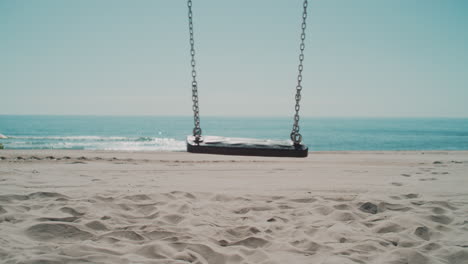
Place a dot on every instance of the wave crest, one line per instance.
(95, 143)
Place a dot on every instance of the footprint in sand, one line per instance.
(159, 234)
(411, 196)
(58, 219)
(13, 197)
(438, 210)
(179, 194)
(423, 232)
(173, 218)
(397, 184)
(250, 242)
(388, 227)
(426, 169)
(96, 225)
(57, 232)
(304, 200)
(42, 195)
(405, 175)
(308, 246)
(445, 204)
(406, 255)
(342, 216)
(369, 207)
(428, 179)
(242, 231)
(276, 219)
(137, 197)
(254, 208)
(209, 255)
(441, 219)
(342, 207)
(125, 234)
(393, 207)
(432, 246)
(69, 210)
(161, 253)
(323, 209)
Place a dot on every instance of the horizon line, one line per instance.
(234, 116)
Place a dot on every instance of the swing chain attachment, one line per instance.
(296, 137)
(197, 132)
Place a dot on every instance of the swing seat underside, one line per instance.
(246, 147)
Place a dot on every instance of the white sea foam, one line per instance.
(96, 143)
(73, 138)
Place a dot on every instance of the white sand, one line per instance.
(120, 207)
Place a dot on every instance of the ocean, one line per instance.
(158, 133)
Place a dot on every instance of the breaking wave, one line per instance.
(95, 143)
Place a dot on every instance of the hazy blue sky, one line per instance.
(363, 57)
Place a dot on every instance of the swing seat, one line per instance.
(246, 147)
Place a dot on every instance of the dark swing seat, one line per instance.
(246, 147)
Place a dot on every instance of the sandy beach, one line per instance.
(60, 206)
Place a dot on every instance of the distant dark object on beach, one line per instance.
(1, 146)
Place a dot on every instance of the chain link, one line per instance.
(296, 137)
(196, 115)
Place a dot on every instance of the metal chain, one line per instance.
(196, 115)
(296, 137)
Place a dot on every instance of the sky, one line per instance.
(363, 58)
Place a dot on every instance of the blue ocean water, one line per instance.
(150, 133)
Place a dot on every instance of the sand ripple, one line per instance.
(180, 227)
